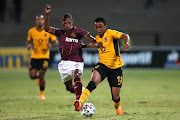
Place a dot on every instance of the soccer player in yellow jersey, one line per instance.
(109, 64)
(40, 52)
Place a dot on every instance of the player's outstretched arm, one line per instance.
(93, 41)
(47, 28)
(126, 41)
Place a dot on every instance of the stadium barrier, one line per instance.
(14, 58)
(138, 56)
(146, 57)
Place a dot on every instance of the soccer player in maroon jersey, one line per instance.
(71, 65)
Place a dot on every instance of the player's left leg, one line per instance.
(115, 82)
(42, 83)
(77, 83)
(116, 98)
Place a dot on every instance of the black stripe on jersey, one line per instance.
(116, 46)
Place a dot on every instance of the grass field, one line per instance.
(152, 94)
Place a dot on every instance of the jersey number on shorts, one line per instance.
(45, 64)
(119, 80)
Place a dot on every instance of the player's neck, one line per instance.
(40, 28)
(102, 34)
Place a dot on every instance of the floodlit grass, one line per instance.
(147, 94)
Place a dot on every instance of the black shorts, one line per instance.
(39, 64)
(114, 76)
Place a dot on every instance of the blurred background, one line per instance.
(153, 25)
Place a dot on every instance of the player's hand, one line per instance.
(99, 45)
(48, 9)
(29, 47)
(49, 45)
(126, 47)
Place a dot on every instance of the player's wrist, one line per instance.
(84, 46)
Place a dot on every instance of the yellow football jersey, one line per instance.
(109, 55)
(40, 40)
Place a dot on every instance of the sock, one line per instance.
(84, 95)
(91, 86)
(117, 103)
(77, 87)
(41, 92)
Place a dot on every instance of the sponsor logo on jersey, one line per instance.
(71, 40)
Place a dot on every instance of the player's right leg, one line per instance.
(77, 83)
(115, 97)
(95, 80)
(115, 79)
(33, 69)
(42, 84)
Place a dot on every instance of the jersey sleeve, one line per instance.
(29, 37)
(116, 34)
(83, 32)
(52, 37)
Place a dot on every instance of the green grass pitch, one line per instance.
(146, 94)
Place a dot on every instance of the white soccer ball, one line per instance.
(88, 109)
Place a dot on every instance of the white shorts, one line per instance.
(66, 69)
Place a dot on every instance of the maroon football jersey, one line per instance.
(69, 43)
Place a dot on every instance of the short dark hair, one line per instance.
(100, 19)
(66, 16)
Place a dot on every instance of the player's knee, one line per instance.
(33, 76)
(41, 76)
(76, 73)
(116, 98)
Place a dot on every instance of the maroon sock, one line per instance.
(77, 87)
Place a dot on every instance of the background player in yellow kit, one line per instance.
(40, 54)
(109, 64)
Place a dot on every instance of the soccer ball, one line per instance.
(88, 109)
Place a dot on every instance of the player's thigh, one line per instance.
(65, 71)
(77, 69)
(96, 77)
(115, 77)
(99, 73)
(34, 64)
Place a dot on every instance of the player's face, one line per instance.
(39, 21)
(100, 28)
(67, 24)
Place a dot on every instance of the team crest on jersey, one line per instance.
(73, 34)
(45, 34)
(105, 39)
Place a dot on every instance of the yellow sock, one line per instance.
(116, 105)
(41, 92)
(84, 95)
